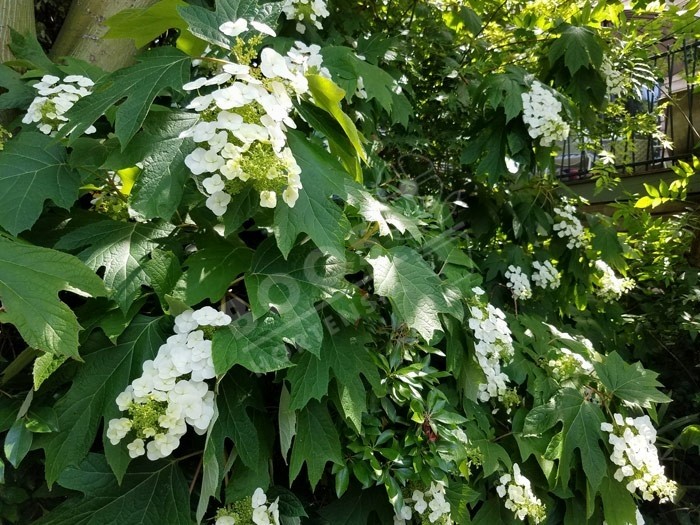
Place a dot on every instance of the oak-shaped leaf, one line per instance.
(316, 443)
(630, 382)
(402, 275)
(258, 345)
(133, 88)
(30, 279)
(579, 47)
(121, 248)
(581, 421)
(292, 287)
(345, 358)
(159, 187)
(106, 372)
(33, 169)
(152, 492)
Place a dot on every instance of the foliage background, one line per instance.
(448, 137)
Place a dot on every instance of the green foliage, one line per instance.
(581, 421)
(316, 442)
(369, 339)
(630, 383)
(205, 24)
(30, 279)
(146, 24)
(121, 249)
(33, 169)
(152, 491)
(401, 275)
(134, 89)
(159, 187)
(579, 48)
(257, 345)
(102, 377)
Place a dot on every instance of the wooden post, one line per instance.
(18, 15)
(82, 32)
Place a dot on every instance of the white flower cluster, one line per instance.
(569, 364)
(520, 499)
(430, 504)
(255, 510)
(307, 59)
(610, 286)
(636, 456)
(546, 275)
(55, 99)
(518, 283)
(541, 114)
(305, 11)
(493, 345)
(172, 392)
(569, 226)
(242, 130)
(264, 513)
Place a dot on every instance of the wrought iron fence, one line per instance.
(680, 122)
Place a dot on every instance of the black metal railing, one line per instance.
(679, 121)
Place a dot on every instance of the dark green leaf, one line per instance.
(158, 70)
(212, 269)
(581, 430)
(33, 169)
(163, 272)
(28, 50)
(205, 23)
(359, 507)
(104, 375)
(308, 380)
(315, 444)
(158, 188)
(632, 383)
(289, 504)
(314, 213)
(292, 287)
(30, 281)
(18, 441)
(345, 357)
(504, 90)
(121, 248)
(618, 505)
(19, 94)
(150, 493)
(256, 345)
(237, 394)
(402, 275)
(579, 47)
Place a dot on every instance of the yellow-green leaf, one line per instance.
(328, 96)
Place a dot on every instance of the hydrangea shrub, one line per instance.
(256, 326)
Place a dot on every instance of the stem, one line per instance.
(196, 474)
